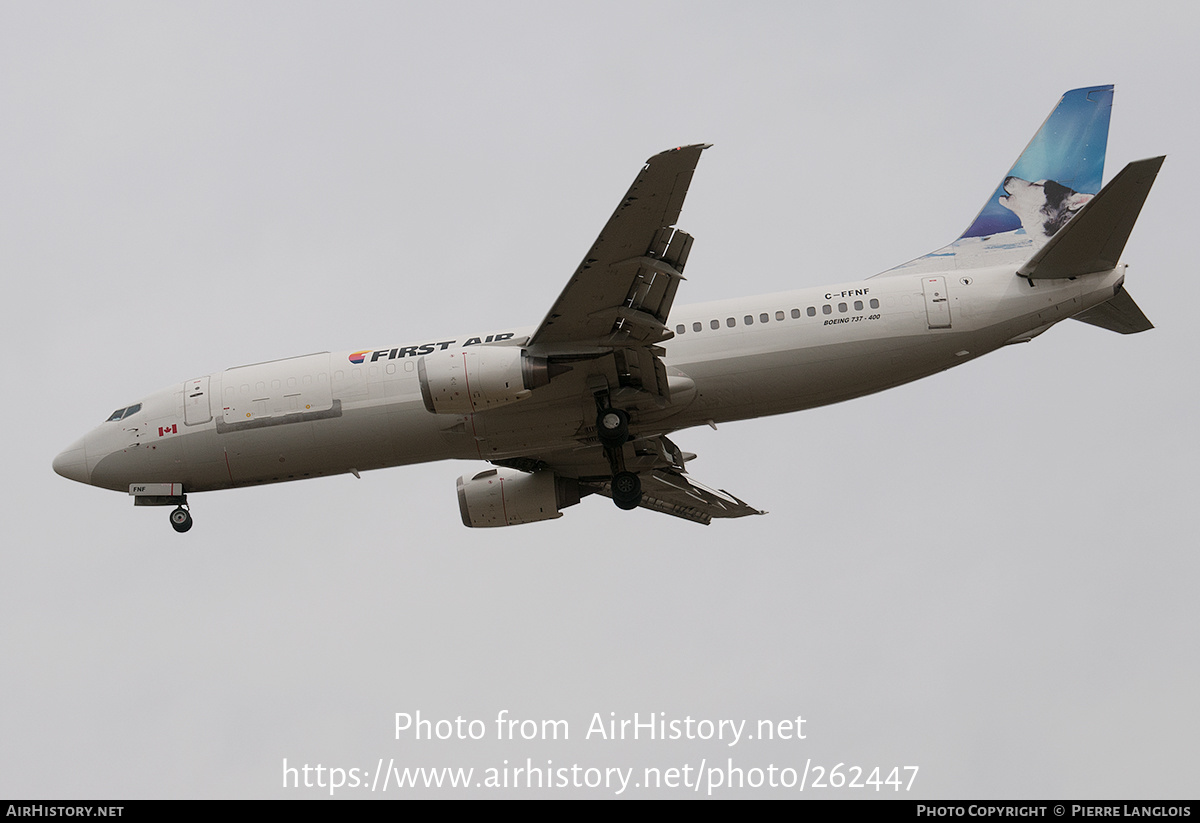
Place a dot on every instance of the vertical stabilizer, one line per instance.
(1068, 152)
(1059, 172)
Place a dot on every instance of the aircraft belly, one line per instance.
(205, 459)
(364, 437)
(166, 462)
(738, 388)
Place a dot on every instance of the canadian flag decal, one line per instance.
(172, 429)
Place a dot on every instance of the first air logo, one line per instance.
(359, 357)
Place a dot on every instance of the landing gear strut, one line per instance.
(612, 428)
(181, 519)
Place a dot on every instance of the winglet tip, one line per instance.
(696, 146)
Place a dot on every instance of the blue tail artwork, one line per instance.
(1059, 171)
(1057, 174)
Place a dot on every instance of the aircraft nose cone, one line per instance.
(72, 463)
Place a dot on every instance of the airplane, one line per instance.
(587, 401)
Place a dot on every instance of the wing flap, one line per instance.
(658, 462)
(670, 492)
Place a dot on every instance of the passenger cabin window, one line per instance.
(749, 318)
(827, 309)
(680, 329)
(716, 324)
(779, 315)
(858, 305)
(874, 303)
(764, 317)
(842, 307)
(730, 322)
(812, 311)
(697, 326)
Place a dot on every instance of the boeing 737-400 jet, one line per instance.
(589, 399)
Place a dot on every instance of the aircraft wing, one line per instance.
(666, 486)
(620, 295)
(617, 302)
(671, 492)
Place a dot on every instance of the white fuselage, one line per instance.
(325, 414)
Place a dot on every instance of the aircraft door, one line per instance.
(196, 409)
(937, 302)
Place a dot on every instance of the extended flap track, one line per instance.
(641, 368)
(642, 316)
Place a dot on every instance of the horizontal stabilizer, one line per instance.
(1094, 239)
(1120, 314)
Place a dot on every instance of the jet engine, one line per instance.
(507, 497)
(484, 377)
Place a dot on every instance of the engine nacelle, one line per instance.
(507, 497)
(479, 378)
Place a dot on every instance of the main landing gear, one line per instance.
(612, 428)
(181, 519)
(626, 490)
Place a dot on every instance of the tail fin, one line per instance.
(1059, 172)
(1068, 151)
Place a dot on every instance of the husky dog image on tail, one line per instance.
(1057, 174)
(1043, 206)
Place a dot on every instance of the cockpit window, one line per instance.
(120, 414)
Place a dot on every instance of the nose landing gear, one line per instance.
(181, 519)
(164, 494)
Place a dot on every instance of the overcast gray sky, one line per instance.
(989, 574)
